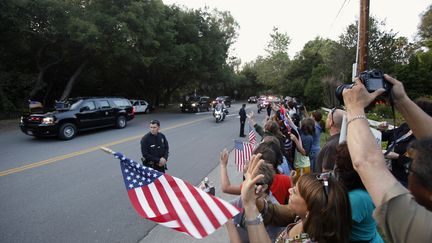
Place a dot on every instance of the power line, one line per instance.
(334, 20)
(337, 15)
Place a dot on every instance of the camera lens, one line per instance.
(340, 89)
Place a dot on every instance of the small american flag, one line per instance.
(172, 202)
(252, 137)
(243, 152)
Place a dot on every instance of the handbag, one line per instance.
(300, 160)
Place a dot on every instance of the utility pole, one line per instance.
(363, 34)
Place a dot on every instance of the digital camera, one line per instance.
(372, 80)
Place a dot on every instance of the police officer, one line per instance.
(154, 148)
(242, 114)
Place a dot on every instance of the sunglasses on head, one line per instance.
(325, 177)
(332, 112)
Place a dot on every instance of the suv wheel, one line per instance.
(121, 122)
(67, 131)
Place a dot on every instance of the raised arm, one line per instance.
(305, 112)
(256, 232)
(257, 127)
(417, 119)
(251, 117)
(298, 143)
(275, 214)
(226, 186)
(366, 155)
(233, 234)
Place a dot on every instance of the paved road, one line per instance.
(70, 191)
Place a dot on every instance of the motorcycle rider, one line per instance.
(221, 105)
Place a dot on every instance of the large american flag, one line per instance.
(252, 137)
(172, 202)
(243, 152)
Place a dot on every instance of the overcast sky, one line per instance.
(303, 20)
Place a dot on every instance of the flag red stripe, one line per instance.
(159, 218)
(185, 204)
(222, 207)
(171, 210)
(238, 159)
(135, 203)
(246, 151)
(204, 206)
(151, 202)
(249, 151)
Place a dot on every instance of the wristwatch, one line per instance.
(258, 220)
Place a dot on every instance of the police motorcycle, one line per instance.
(262, 104)
(219, 113)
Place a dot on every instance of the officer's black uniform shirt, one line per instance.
(154, 147)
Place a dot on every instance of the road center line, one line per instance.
(85, 151)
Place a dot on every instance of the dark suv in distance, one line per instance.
(78, 114)
(252, 99)
(195, 103)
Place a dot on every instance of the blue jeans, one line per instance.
(313, 157)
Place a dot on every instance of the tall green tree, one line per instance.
(425, 30)
(272, 68)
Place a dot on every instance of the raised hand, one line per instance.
(397, 90)
(224, 157)
(357, 97)
(249, 190)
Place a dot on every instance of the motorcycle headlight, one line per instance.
(181, 105)
(48, 120)
(194, 104)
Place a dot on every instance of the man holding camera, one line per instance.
(154, 148)
(404, 215)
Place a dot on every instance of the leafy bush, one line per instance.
(383, 112)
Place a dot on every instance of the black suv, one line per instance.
(195, 103)
(253, 99)
(78, 114)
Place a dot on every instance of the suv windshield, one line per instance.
(74, 104)
(67, 104)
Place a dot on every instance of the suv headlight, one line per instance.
(48, 120)
(194, 104)
(181, 105)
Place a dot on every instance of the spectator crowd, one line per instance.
(294, 190)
